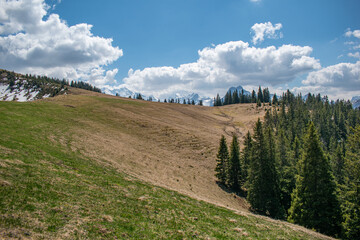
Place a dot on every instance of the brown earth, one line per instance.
(166, 144)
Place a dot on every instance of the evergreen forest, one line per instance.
(301, 163)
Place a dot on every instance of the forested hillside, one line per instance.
(301, 163)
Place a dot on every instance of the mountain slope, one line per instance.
(66, 165)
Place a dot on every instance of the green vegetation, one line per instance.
(264, 190)
(222, 161)
(314, 203)
(48, 189)
(311, 173)
(351, 191)
(234, 170)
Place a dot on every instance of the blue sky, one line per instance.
(160, 41)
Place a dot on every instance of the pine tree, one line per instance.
(352, 193)
(235, 97)
(264, 191)
(275, 100)
(234, 169)
(286, 169)
(253, 97)
(222, 159)
(260, 95)
(246, 155)
(314, 203)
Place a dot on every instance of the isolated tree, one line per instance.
(222, 159)
(264, 191)
(234, 169)
(352, 193)
(314, 202)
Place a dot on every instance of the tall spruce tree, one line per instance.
(234, 169)
(351, 205)
(222, 159)
(264, 190)
(314, 203)
(260, 95)
(246, 155)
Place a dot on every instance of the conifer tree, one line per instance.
(264, 191)
(222, 159)
(352, 193)
(234, 169)
(275, 100)
(286, 169)
(314, 203)
(253, 97)
(246, 155)
(260, 96)
(235, 97)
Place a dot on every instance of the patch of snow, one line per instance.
(21, 96)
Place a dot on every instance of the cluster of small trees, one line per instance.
(301, 164)
(235, 97)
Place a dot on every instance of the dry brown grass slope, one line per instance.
(169, 145)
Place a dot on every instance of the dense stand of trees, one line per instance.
(234, 97)
(301, 164)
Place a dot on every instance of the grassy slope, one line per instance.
(50, 187)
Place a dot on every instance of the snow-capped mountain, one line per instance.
(125, 92)
(239, 89)
(178, 96)
(355, 101)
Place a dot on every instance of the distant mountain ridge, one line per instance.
(239, 89)
(179, 96)
(355, 101)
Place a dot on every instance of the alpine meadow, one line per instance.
(171, 119)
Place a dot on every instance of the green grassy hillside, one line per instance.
(50, 187)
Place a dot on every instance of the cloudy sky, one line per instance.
(161, 47)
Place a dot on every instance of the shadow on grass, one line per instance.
(240, 193)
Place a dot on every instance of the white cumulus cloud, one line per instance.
(265, 30)
(341, 80)
(344, 76)
(225, 65)
(32, 41)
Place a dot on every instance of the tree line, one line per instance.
(139, 96)
(43, 82)
(301, 164)
(235, 97)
